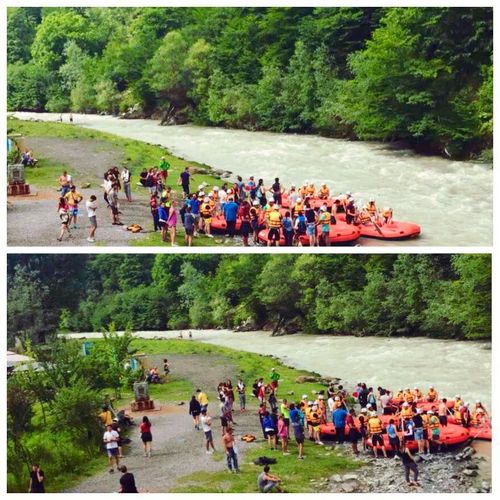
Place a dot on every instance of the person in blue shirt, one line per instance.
(287, 225)
(162, 220)
(230, 213)
(269, 430)
(339, 417)
(393, 435)
(195, 203)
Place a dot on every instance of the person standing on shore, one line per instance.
(111, 439)
(172, 223)
(73, 197)
(194, 411)
(91, 205)
(146, 436)
(37, 478)
(241, 394)
(232, 458)
(127, 481)
(63, 211)
(126, 177)
(206, 425)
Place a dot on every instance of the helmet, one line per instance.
(373, 413)
(419, 410)
(299, 199)
(457, 396)
(321, 396)
(304, 396)
(430, 412)
(406, 404)
(276, 207)
(480, 410)
(369, 405)
(363, 410)
(256, 203)
(206, 199)
(202, 193)
(337, 398)
(323, 208)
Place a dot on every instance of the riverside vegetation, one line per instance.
(52, 414)
(441, 296)
(421, 75)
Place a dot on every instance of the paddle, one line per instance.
(376, 226)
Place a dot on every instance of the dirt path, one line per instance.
(33, 220)
(178, 449)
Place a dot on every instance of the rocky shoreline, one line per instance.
(449, 472)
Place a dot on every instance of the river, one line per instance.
(452, 367)
(451, 200)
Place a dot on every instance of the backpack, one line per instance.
(301, 226)
(264, 461)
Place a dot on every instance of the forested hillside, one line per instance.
(389, 295)
(421, 75)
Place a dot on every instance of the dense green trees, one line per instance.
(423, 75)
(389, 295)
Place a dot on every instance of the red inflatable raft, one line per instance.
(451, 435)
(395, 230)
(481, 431)
(424, 405)
(339, 233)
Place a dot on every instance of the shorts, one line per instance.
(377, 440)
(112, 452)
(274, 234)
(208, 220)
(299, 440)
(419, 434)
(114, 209)
(426, 434)
(73, 210)
(146, 437)
(189, 231)
(315, 427)
(64, 219)
(269, 433)
(245, 228)
(93, 221)
(195, 413)
(208, 435)
(325, 229)
(435, 437)
(394, 442)
(162, 224)
(311, 229)
(443, 419)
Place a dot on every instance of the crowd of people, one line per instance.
(287, 425)
(246, 207)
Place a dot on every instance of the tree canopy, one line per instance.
(422, 75)
(442, 296)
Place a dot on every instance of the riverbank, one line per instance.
(177, 466)
(352, 358)
(399, 179)
(86, 155)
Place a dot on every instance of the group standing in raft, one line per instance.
(297, 216)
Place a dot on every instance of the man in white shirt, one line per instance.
(206, 423)
(111, 438)
(91, 205)
(125, 175)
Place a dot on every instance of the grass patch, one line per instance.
(154, 239)
(251, 366)
(297, 476)
(136, 154)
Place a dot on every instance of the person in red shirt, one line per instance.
(146, 436)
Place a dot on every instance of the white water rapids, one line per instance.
(453, 367)
(450, 200)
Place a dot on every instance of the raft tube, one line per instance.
(340, 233)
(395, 230)
(451, 435)
(482, 431)
(423, 405)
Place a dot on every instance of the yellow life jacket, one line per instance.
(371, 208)
(364, 216)
(315, 420)
(434, 422)
(406, 412)
(274, 219)
(303, 191)
(206, 209)
(417, 394)
(431, 395)
(375, 425)
(426, 420)
(458, 416)
(476, 418)
(458, 404)
(408, 397)
(387, 214)
(324, 192)
(298, 207)
(399, 396)
(310, 190)
(326, 219)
